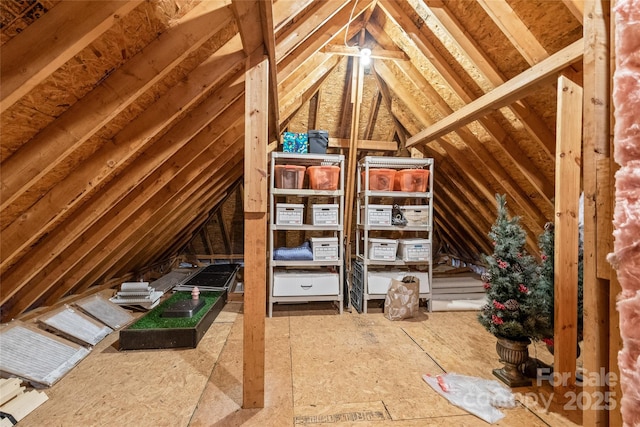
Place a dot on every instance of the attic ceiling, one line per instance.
(122, 123)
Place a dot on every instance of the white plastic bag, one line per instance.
(478, 396)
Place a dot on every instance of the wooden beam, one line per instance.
(124, 86)
(52, 40)
(358, 74)
(364, 144)
(516, 31)
(599, 318)
(322, 36)
(285, 11)
(397, 55)
(255, 226)
(509, 147)
(576, 7)
(503, 95)
(490, 163)
(71, 272)
(306, 26)
(100, 167)
(568, 160)
(448, 23)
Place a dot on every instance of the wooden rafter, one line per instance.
(505, 94)
(397, 55)
(322, 36)
(489, 162)
(79, 222)
(307, 25)
(457, 34)
(516, 31)
(67, 196)
(466, 94)
(86, 117)
(51, 41)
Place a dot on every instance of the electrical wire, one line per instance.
(346, 31)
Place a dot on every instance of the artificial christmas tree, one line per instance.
(513, 314)
(545, 289)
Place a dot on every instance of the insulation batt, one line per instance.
(626, 257)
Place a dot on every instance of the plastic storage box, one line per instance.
(324, 177)
(325, 248)
(412, 180)
(416, 215)
(383, 249)
(380, 179)
(325, 214)
(289, 176)
(377, 215)
(412, 250)
(289, 214)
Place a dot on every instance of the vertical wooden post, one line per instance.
(350, 189)
(600, 320)
(568, 152)
(256, 138)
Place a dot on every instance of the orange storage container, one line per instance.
(289, 176)
(413, 180)
(324, 177)
(380, 179)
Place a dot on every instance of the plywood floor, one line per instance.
(322, 369)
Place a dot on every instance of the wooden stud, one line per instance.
(601, 338)
(255, 243)
(568, 159)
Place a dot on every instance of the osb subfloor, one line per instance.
(322, 369)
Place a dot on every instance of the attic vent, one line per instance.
(36, 355)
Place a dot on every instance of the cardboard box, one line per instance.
(325, 214)
(325, 248)
(414, 250)
(289, 214)
(383, 249)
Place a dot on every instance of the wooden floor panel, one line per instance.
(321, 369)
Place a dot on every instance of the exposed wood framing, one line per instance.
(568, 155)
(397, 55)
(255, 208)
(364, 144)
(516, 31)
(136, 136)
(85, 118)
(507, 93)
(52, 41)
(602, 336)
(358, 75)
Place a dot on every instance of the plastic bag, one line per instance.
(402, 298)
(478, 396)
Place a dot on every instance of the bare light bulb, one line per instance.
(365, 56)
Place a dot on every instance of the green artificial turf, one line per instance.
(154, 319)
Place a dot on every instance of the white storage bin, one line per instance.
(300, 283)
(383, 249)
(325, 248)
(412, 250)
(378, 282)
(289, 214)
(325, 214)
(377, 215)
(416, 215)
